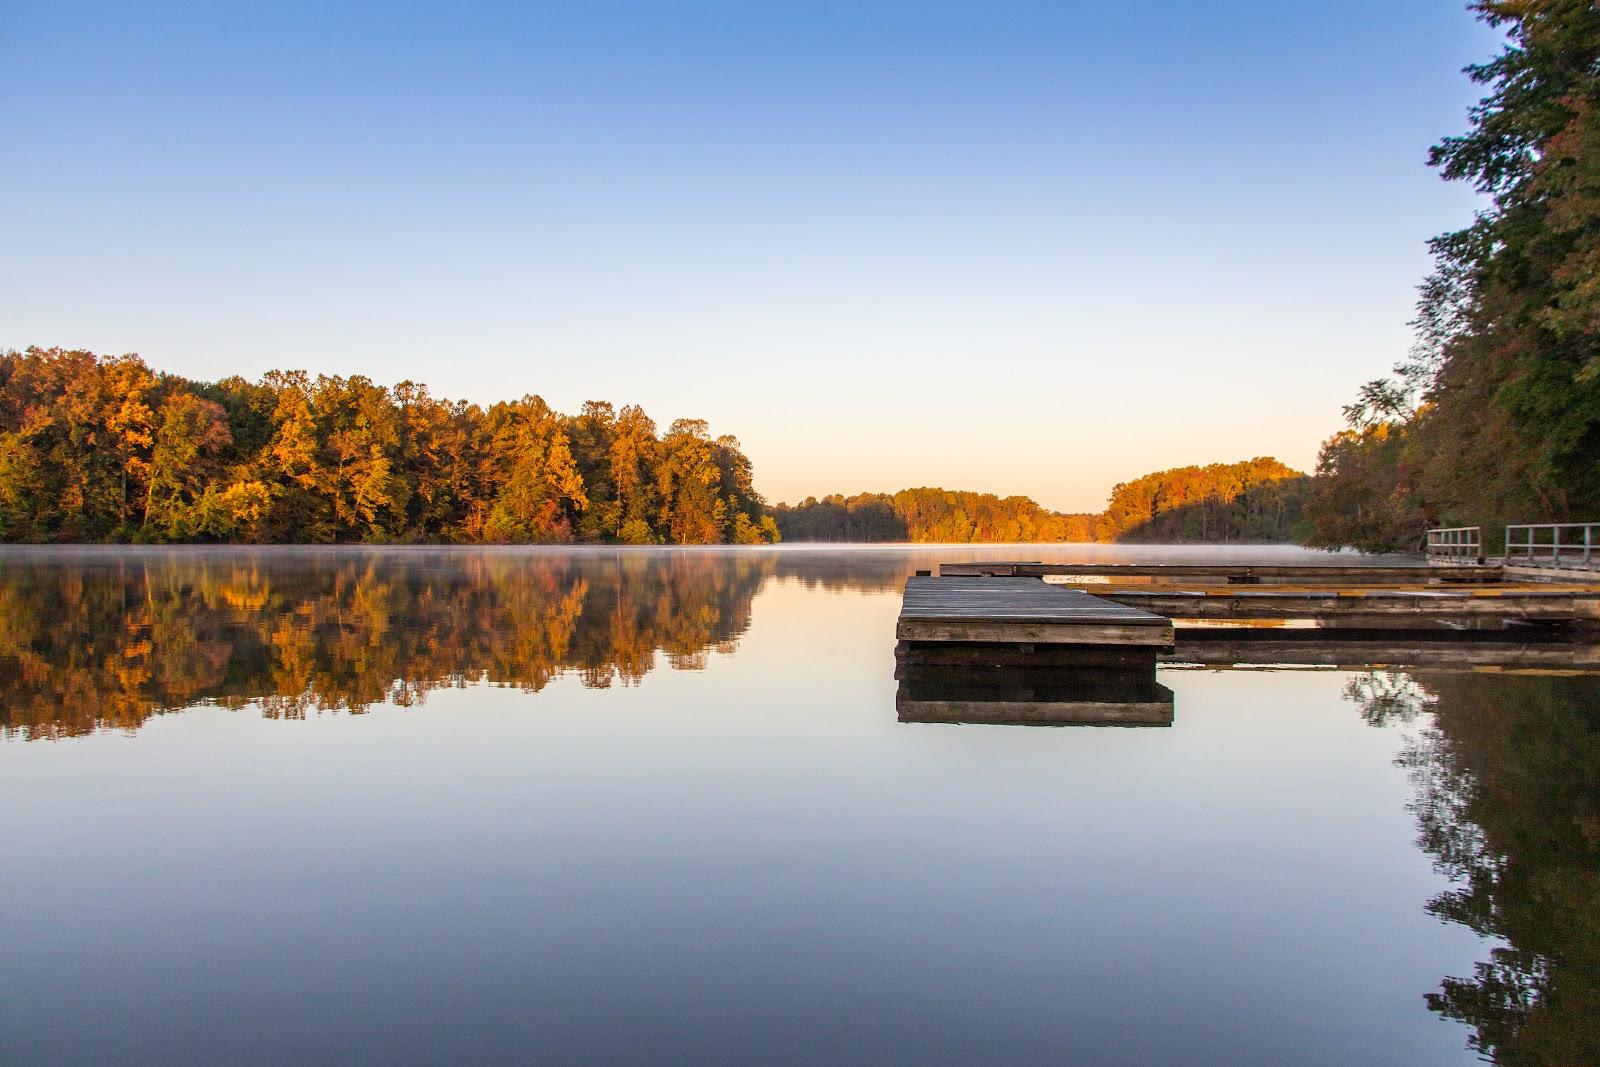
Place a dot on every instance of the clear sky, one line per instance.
(1027, 248)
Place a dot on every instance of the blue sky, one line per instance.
(1031, 248)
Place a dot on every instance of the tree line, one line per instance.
(928, 515)
(1495, 416)
(103, 448)
(1254, 500)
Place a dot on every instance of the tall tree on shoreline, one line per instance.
(1506, 370)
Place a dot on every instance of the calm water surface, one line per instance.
(658, 805)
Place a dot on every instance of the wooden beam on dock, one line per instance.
(1354, 649)
(1382, 606)
(1421, 573)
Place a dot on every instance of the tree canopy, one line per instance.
(102, 448)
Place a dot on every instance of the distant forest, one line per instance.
(96, 448)
(1495, 417)
(1257, 500)
(105, 449)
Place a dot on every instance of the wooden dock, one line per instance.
(1025, 614)
(1013, 648)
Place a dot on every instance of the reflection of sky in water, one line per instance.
(754, 859)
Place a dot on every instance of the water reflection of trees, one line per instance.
(109, 641)
(1507, 778)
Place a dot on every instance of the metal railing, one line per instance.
(1554, 544)
(1455, 542)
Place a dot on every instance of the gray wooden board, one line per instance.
(1543, 604)
(1353, 573)
(1013, 600)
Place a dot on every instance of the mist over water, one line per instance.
(634, 805)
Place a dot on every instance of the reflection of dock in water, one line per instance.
(1032, 697)
(1534, 649)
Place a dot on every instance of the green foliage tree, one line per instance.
(1507, 364)
(181, 499)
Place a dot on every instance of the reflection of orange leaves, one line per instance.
(245, 598)
(132, 677)
(111, 647)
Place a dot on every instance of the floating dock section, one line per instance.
(1023, 622)
(1023, 651)
(994, 642)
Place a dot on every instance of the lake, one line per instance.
(639, 805)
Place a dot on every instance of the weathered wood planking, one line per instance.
(1021, 611)
(1276, 574)
(1236, 648)
(1536, 605)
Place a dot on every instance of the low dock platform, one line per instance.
(1023, 621)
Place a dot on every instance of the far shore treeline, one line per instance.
(106, 449)
(1258, 500)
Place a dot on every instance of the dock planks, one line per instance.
(1022, 611)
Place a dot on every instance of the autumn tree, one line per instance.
(689, 482)
(359, 426)
(529, 460)
(632, 455)
(1501, 419)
